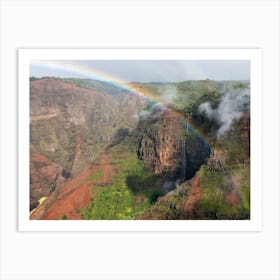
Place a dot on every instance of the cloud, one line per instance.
(230, 109)
(143, 70)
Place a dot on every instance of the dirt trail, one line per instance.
(78, 145)
(194, 196)
(104, 163)
(233, 196)
(43, 117)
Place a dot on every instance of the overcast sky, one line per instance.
(145, 70)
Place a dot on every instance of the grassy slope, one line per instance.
(129, 192)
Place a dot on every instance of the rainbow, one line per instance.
(84, 71)
(87, 72)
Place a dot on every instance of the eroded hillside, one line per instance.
(71, 126)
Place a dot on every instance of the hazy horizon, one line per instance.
(144, 71)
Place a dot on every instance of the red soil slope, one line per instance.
(194, 196)
(75, 194)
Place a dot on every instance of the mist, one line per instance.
(233, 103)
(169, 95)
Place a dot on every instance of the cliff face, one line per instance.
(159, 144)
(71, 125)
(45, 178)
(168, 146)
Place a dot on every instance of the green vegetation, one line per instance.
(215, 187)
(188, 95)
(95, 176)
(99, 86)
(131, 191)
(112, 203)
(170, 206)
(235, 151)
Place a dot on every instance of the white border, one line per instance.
(27, 55)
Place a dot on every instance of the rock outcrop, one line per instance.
(45, 178)
(159, 144)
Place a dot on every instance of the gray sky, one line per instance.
(145, 70)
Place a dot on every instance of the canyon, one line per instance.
(99, 152)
